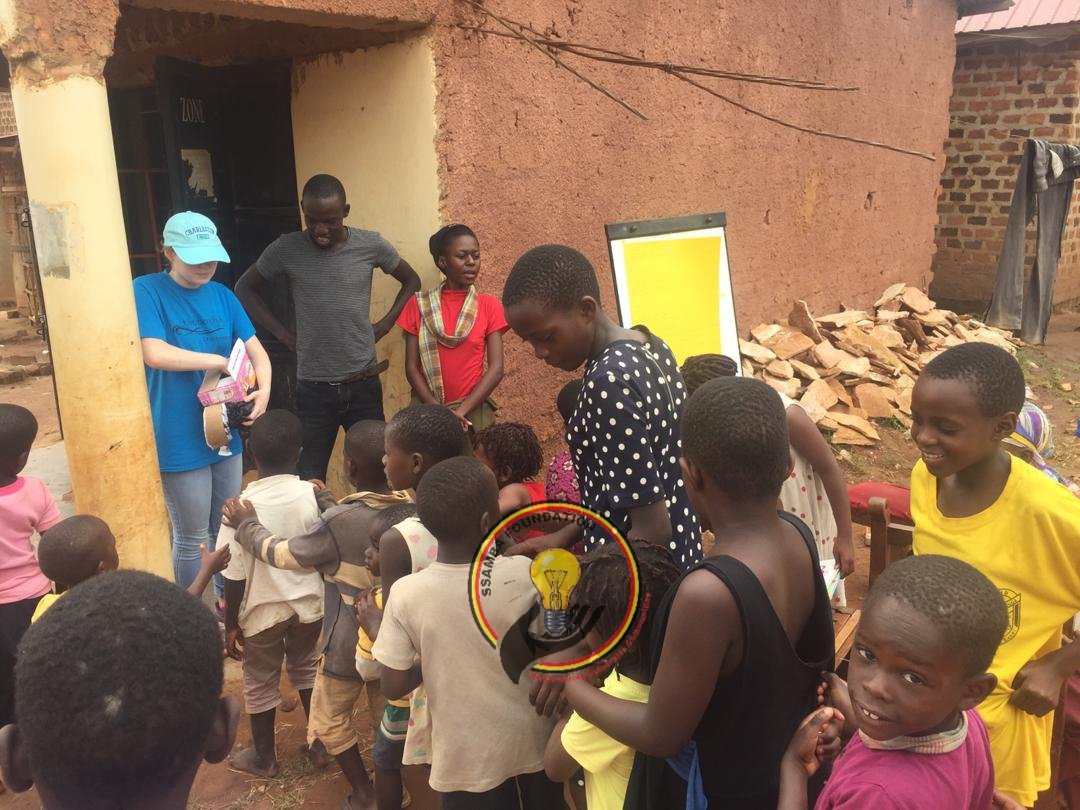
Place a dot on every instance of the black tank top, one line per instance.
(754, 711)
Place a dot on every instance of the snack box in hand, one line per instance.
(831, 573)
(218, 389)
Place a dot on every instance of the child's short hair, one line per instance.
(323, 187)
(604, 581)
(109, 705)
(438, 241)
(429, 429)
(276, 438)
(513, 447)
(72, 550)
(566, 401)
(555, 275)
(955, 597)
(995, 377)
(735, 429)
(699, 369)
(453, 495)
(364, 446)
(18, 428)
(390, 516)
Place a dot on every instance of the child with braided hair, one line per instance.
(452, 330)
(576, 742)
(512, 452)
(815, 491)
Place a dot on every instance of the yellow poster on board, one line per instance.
(672, 276)
(674, 287)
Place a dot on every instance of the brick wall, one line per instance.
(1002, 94)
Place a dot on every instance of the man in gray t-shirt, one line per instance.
(329, 268)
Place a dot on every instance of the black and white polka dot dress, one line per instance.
(625, 444)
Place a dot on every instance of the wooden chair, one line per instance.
(845, 636)
(890, 540)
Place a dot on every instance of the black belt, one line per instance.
(366, 374)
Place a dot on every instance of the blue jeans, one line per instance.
(194, 499)
(323, 408)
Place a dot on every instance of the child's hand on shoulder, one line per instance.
(316, 484)
(816, 741)
(214, 562)
(236, 511)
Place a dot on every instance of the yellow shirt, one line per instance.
(44, 604)
(607, 762)
(363, 649)
(1028, 544)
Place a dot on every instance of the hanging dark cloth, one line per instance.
(1044, 185)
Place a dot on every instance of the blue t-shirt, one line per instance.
(207, 319)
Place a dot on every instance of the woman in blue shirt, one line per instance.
(188, 325)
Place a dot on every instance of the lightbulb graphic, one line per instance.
(555, 573)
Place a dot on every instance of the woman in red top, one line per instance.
(450, 332)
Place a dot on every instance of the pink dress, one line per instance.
(561, 480)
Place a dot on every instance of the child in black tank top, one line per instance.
(740, 642)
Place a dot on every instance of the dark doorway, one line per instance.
(218, 141)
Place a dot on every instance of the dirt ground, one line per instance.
(1050, 371)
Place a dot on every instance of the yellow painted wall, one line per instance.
(368, 117)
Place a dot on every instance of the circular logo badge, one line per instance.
(555, 573)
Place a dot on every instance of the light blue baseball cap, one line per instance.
(194, 238)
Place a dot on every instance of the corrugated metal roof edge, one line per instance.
(966, 8)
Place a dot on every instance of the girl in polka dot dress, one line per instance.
(624, 431)
(815, 491)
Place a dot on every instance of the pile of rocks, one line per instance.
(854, 366)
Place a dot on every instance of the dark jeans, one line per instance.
(14, 619)
(325, 407)
(529, 791)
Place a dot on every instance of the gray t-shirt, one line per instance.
(332, 293)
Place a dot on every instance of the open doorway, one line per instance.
(217, 140)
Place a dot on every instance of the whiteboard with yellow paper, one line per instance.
(672, 276)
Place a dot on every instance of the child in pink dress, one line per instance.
(26, 508)
(562, 482)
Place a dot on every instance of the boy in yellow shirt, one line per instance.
(974, 501)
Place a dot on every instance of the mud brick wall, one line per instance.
(1002, 94)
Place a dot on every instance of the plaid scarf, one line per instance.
(433, 332)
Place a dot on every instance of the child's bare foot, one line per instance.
(318, 754)
(248, 761)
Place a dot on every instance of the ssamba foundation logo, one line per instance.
(558, 622)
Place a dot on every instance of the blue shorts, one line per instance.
(390, 738)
